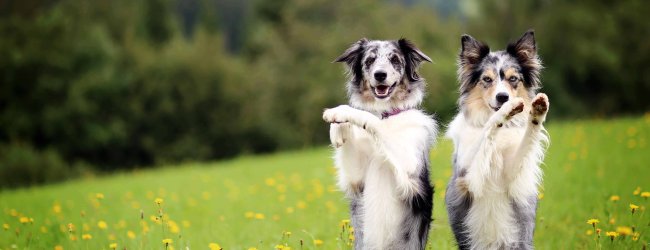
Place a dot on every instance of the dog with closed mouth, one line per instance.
(499, 144)
(382, 142)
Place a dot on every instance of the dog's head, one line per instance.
(489, 79)
(383, 74)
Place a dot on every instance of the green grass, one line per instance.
(587, 162)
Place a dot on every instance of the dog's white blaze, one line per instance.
(385, 159)
(382, 63)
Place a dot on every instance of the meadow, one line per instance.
(595, 195)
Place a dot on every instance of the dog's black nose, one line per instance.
(380, 76)
(502, 97)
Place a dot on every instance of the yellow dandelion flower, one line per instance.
(598, 231)
(345, 222)
(259, 216)
(56, 208)
(593, 222)
(86, 236)
(279, 247)
(614, 198)
(249, 215)
(214, 246)
(58, 247)
(113, 246)
(290, 210)
(611, 235)
(637, 191)
(130, 234)
(73, 237)
(589, 232)
(71, 227)
(301, 205)
(102, 224)
(5, 226)
(288, 234)
(633, 207)
(635, 236)
(99, 196)
(351, 237)
(318, 242)
(158, 201)
(624, 230)
(252, 248)
(645, 194)
(270, 182)
(540, 196)
(173, 227)
(23, 220)
(167, 241)
(612, 220)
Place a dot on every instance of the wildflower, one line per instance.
(130, 234)
(611, 235)
(23, 220)
(598, 232)
(259, 216)
(345, 222)
(5, 226)
(214, 246)
(102, 224)
(614, 198)
(43, 229)
(593, 222)
(252, 248)
(635, 236)
(633, 207)
(56, 208)
(70, 227)
(113, 246)
(624, 230)
(589, 232)
(158, 201)
(279, 247)
(288, 234)
(645, 195)
(318, 242)
(167, 241)
(73, 237)
(637, 191)
(290, 210)
(99, 196)
(540, 196)
(86, 236)
(58, 247)
(249, 215)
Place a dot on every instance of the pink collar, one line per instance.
(393, 112)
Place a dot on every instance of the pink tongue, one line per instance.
(381, 90)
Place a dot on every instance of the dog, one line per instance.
(382, 142)
(499, 142)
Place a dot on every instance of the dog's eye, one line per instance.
(487, 79)
(513, 79)
(369, 61)
(394, 59)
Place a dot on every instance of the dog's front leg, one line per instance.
(531, 148)
(484, 153)
(403, 157)
(349, 159)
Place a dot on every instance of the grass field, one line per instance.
(288, 198)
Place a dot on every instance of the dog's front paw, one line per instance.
(513, 107)
(539, 109)
(339, 133)
(339, 114)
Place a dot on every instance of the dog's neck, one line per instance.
(387, 114)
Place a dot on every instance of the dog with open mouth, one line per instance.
(382, 143)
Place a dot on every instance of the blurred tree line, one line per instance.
(87, 84)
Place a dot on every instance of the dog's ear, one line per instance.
(352, 53)
(352, 58)
(472, 51)
(412, 57)
(525, 51)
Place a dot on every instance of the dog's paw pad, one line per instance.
(540, 105)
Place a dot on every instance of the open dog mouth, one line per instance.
(383, 91)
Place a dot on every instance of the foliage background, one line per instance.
(88, 86)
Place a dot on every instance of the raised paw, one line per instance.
(539, 109)
(516, 107)
(337, 115)
(339, 134)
